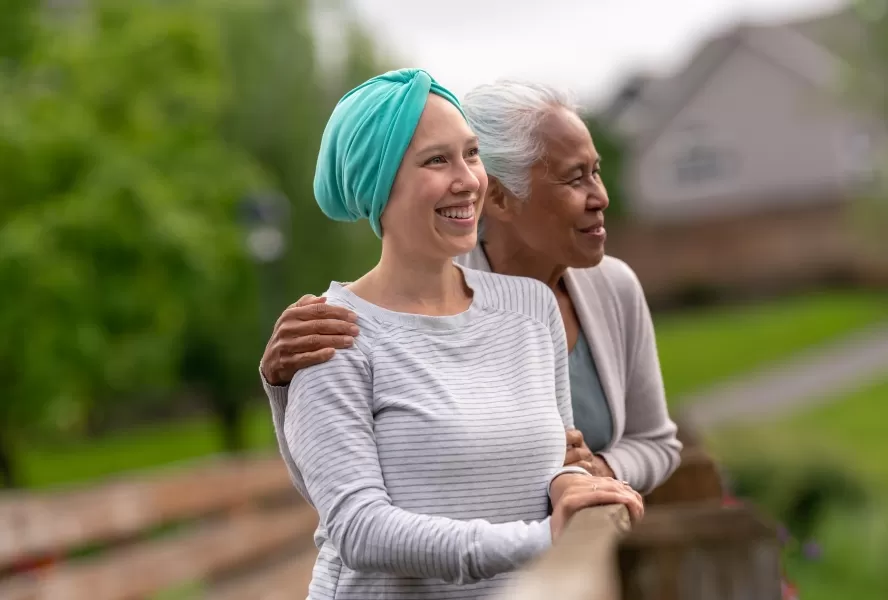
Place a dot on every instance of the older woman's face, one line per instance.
(563, 218)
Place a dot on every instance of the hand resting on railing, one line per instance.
(572, 492)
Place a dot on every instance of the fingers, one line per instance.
(628, 497)
(576, 500)
(306, 300)
(322, 310)
(578, 455)
(633, 501)
(574, 437)
(315, 310)
(305, 360)
(583, 492)
(291, 330)
(314, 342)
(308, 336)
(309, 299)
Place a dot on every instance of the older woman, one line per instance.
(543, 219)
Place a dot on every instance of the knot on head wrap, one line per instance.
(365, 140)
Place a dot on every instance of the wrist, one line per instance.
(266, 376)
(565, 471)
(604, 466)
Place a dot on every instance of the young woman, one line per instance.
(466, 366)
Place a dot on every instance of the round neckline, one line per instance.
(366, 308)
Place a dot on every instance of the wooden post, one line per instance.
(701, 553)
(697, 479)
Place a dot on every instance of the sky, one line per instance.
(588, 46)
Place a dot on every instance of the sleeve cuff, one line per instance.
(562, 471)
(542, 538)
(621, 473)
(277, 394)
(614, 464)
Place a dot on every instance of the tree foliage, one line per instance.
(610, 148)
(116, 209)
(865, 52)
(130, 134)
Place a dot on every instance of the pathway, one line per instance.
(809, 379)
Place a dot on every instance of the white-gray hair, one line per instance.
(505, 116)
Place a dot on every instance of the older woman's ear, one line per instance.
(500, 203)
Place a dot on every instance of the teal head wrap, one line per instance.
(365, 141)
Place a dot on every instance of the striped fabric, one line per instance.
(427, 448)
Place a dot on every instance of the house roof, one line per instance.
(805, 49)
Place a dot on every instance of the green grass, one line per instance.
(850, 430)
(700, 348)
(849, 433)
(142, 448)
(853, 563)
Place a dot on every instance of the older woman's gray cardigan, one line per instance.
(617, 323)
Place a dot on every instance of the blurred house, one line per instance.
(743, 168)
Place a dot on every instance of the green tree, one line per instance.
(117, 211)
(282, 98)
(610, 148)
(865, 50)
(16, 25)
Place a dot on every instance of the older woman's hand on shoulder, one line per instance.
(306, 334)
(572, 492)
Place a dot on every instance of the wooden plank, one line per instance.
(287, 580)
(52, 522)
(691, 524)
(581, 565)
(154, 566)
(700, 553)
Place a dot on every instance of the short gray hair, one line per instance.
(505, 116)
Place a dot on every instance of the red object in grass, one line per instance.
(33, 563)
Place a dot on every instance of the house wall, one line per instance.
(754, 132)
(767, 252)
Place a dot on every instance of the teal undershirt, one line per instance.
(592, 414)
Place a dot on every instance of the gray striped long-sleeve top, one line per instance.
(428, 447)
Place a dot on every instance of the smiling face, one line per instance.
(563, 218)
(438, 192)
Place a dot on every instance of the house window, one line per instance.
(698, 164)
(860, 153)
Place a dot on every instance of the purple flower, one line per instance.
(783, 535)
(812, 550)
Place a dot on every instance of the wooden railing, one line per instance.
(238, 528)
(689, 546)
(582, 565)
(686, 553)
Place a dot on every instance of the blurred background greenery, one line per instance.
(134, 139)
(156, 159)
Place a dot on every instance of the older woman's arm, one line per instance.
(648, 452)
(328, 435)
